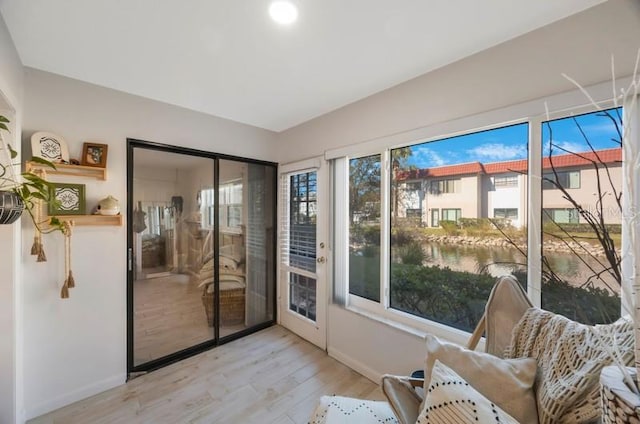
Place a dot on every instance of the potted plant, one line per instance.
(24, 191)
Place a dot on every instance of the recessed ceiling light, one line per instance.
(283, 12)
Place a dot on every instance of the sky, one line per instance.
(510, 143)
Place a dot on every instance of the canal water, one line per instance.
(499, 261)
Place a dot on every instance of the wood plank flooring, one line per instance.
(169, 316)
(272, 376)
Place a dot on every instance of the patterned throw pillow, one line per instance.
(344, 410)
(450, 399)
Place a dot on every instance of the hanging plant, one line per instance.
(25, 191)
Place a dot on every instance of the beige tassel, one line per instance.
(41, 255)
(35, 248)
(64, 293)
(70, 281)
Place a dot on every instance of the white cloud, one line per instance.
(424, 157)
(497, 152)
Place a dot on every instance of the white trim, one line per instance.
(300, 166)
(76, 395)
(355, 364)
(509, 115)
(534, 218)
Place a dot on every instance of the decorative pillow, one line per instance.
(344, 410)
(506, 382)
(450, 399)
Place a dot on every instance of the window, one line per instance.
(364, 227)
(561, 216)
(443, 186)
(505, 181)
(430, 275)
(451, 215)
(427, 276)
(435, 217)
(503, 213)
(567, 179)
(230, 203)
(578, 206)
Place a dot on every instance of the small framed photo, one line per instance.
(94, 154)
(70, 199)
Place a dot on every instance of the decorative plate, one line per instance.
(50, 147)
(70, 199)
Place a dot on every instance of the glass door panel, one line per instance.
(246, 270)
(170, 241)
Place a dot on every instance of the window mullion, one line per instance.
(534, 225)
(385, 228)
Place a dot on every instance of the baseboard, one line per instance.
(355, 365)
(75, 395)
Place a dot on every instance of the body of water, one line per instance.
(499, 261)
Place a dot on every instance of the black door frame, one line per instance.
(216, 340)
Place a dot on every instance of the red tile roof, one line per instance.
(560, 161)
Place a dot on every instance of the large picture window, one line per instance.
(431, 225)
(432, 274)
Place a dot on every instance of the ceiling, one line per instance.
(227, 58)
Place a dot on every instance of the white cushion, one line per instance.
(506, 382)
(450, 399)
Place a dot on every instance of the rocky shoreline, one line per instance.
(549, 245)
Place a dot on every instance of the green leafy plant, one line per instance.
(32, 189)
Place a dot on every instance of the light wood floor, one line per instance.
(169, 316)
(272, 376)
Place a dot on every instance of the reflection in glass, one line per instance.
(168, 240)
(181, 218)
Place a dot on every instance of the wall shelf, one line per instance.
(95, 220)
(73, 170)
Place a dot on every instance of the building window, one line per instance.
(505, 181)
(451, 215)
(564, 179)
(435, 217)
(506, 213)
(443, 186)
(561, 216)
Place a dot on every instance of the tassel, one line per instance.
(41, 255)
(70, 280)
(35, 248)
(64, 293)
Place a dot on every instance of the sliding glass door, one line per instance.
(201, 251)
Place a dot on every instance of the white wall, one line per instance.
(519, 71)
(11, 98)
(76, 347)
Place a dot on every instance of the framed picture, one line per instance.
(49, 146)
(70, 199)
(94, 154)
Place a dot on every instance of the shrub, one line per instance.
(457, 298)
(412, 253)
(449, 227)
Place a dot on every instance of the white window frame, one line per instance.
(532, 112)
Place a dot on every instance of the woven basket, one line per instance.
(231, 306)
(619, 403)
